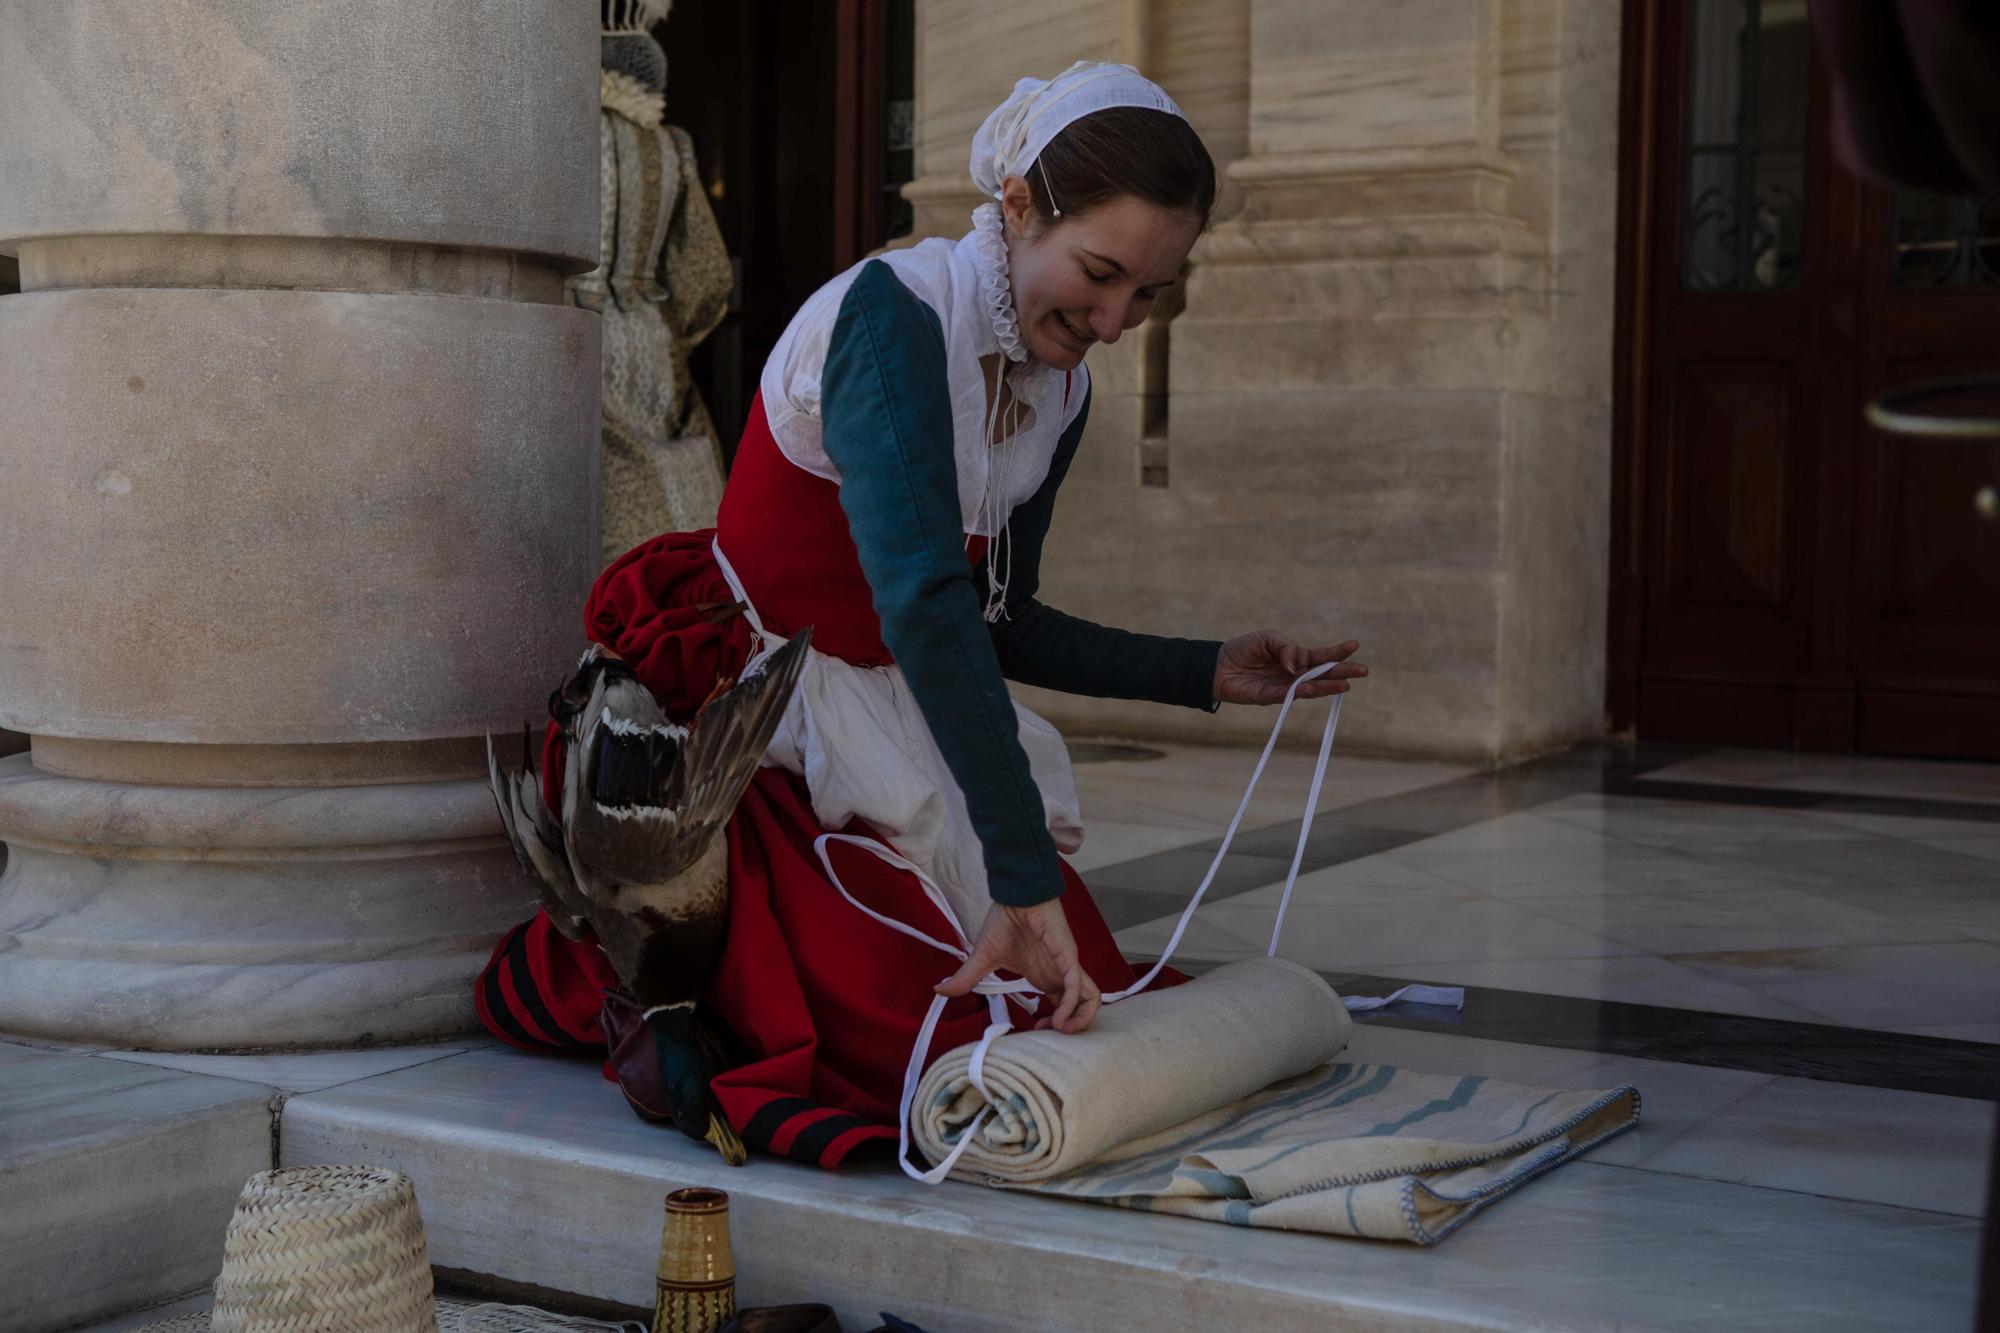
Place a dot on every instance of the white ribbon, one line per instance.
(1450, 996)
(998, 992)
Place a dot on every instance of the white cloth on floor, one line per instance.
(1220, 1099)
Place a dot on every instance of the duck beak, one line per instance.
(725, 1141)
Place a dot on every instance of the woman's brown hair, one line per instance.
(1151, 155)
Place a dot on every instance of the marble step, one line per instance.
(532, 1170)
(116, 1181)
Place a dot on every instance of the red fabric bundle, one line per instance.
(824, 1001)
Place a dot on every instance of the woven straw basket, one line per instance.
(325, 1248)
(340, 1249)
(456, 1317)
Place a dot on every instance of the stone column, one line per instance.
(1340, 376)
(300, 456)
(1393, 377)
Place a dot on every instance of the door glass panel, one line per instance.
(1946, 240)
(899, 115)
(1745, 161)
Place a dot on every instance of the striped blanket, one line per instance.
(1222, 1100)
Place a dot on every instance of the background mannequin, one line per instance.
(663, 286)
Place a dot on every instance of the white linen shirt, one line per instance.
(944, 275)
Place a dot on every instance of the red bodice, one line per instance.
(785, 535)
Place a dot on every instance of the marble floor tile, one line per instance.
(1743, 1258)
(1674, 1098)
(1988, 1033)
(1930, 893)
(1331, 840)
(1906, 1149)
(1985, 849)
(1629, 979)
(1604, 867)
(1382, 878)
(1443, 808)
(1180, 871)
(1853, 775)
(1731, 916)
(1347, 779)
(1519, 832)
(1180, 808)
(303, 1071)
(1898, 987)
(1591, 1245)
(1204, 941)
(12, 1050)
(118, 1181)
(1125, 908)
(1368, 937)
(1917, 828)
(199, 1302)
(49, 1098)
(1108, 841)
(1674, 823)
(1196, 789)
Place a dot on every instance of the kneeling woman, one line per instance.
(892, 490)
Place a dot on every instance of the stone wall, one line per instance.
(1383, 412)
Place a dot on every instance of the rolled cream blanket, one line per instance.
(1147, 1063)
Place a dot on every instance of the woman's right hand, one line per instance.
(1033, 942)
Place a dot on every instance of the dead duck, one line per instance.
(638, 854)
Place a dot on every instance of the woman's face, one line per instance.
(1085, 279)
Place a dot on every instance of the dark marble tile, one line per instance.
(1332, 841)
(1839, 1055)
(1430, 810)
(1180, 871)
(1135, 907)
(1787, 798)
(1981, 811)
(1712, 793)
(1859, 1056)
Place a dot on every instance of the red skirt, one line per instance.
(825, 1001)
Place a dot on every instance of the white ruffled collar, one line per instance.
(996, 297)
(996, 288)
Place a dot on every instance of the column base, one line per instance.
(201, 918)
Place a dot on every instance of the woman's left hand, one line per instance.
(1257, 668)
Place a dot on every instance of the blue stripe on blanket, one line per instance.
(1383, 1077)
(1460, 1095)
(1254, 1126)
(1528, 1115)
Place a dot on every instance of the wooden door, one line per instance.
(1926, 639)
(1785, 575)
(801, 118)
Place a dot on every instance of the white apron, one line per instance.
(857, 737)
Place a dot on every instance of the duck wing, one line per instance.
(731, 733)
(618, 828)
(618, 837)
(536, 838)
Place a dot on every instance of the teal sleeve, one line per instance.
(1039, 645)
(885, 418)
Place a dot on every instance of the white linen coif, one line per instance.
(1017, 131)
